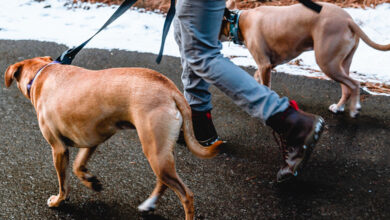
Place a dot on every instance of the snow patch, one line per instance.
(137, 30)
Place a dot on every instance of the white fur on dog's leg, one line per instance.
(353, 114)
(51, 203)
(148, 205)
(358, 106)
(333, 108)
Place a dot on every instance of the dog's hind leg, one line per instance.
(150, 203)
(355, 100)
(337, 73)
(81, 171)
(354, 87)
(158, 133)
(346, 92)
(163, 166)
(334, 60)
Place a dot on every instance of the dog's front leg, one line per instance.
(257, 76)
(264, 66)
(265, 73)
(60, 159)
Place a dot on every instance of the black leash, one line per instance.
(167, 24)
(68, 56)
(312, 5)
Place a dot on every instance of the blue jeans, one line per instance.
(197, 25)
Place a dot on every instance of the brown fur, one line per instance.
(277, 34)
(83, 108)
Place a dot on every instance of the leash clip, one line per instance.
(67, 56)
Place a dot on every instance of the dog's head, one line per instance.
(23, 72)
(229, 20)
(224, 34)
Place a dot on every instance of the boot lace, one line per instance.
(280, 139)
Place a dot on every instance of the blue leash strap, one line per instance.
(167, 24)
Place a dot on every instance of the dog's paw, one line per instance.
(334, 109)
(358, 106)
(354, 114)
(148, 205)
(94, 184)
(54, 201)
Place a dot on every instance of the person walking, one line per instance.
(196, 30)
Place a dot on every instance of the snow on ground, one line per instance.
(137, 30)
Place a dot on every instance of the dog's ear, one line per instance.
(226, 13)
(224, 32)
(47, 58)
(12, 72)
(231, 4)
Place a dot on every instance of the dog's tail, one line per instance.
(189, 137)
(359, 32)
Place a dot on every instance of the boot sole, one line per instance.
(310, 143)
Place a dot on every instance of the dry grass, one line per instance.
(241, 4)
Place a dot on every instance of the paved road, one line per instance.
(348, 176)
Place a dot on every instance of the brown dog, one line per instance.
(277, 34)
(83, 108)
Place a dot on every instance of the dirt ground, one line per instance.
(348, 176)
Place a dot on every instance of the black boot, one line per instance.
(299, 132)
(204, 129)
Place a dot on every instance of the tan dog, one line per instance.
(83, 108)
(277, 34)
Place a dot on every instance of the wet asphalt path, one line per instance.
(348, 176)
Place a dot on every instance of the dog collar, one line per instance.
(233, 18)
(37, 74)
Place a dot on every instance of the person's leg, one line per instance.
(199, 23)
(199, 98)
(196, 89)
